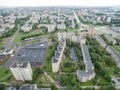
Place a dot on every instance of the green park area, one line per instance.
(39, 77)
(4, 72)
(117, 47)
(68, 65)
(48, 60)
(27, 35)
(5, 75)
(105, 65)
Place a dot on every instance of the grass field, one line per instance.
(48, 61)
(18, 38)
(43, 79)
(104, 63)
(117, 47)
(4, 72)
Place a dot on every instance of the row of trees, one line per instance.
(77, 49)
(38, 71)
(51, 50)
(22, 21)
(68, 64)
(78, 87)
(101, 60)
(108, 42)
(9, 32)
(35, 35)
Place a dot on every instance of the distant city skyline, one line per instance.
(86, 3)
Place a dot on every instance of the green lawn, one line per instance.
(48, 60)
(68, 65)
(104, 63)
(42, 79)
(54, 76)
(89, 83)
(117, 47)
(4, 72)
(8, 79)
(72, 29)
(33, 32)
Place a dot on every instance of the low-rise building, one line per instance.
(29, 87)
(8, 51)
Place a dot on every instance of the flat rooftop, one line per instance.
(28, 87)
(20, 65)
(33, 53)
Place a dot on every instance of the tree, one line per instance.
(35, 26)
(77, 26)
(2, 87)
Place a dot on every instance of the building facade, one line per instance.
(57, 58)
(88, 74)
(21, 71)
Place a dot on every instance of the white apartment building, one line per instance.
(27, 27)
(100, 41)
(71, 36)
(21, 71)
(57, 58)
(110, 38)
(88, 74)
(115, 55)
(108, 19)
(62, 35)
(51, 27)
(61, 26)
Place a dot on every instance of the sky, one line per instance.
(87, 3)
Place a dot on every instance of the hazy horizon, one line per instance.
(80, 3)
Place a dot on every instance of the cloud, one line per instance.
(59, 2)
